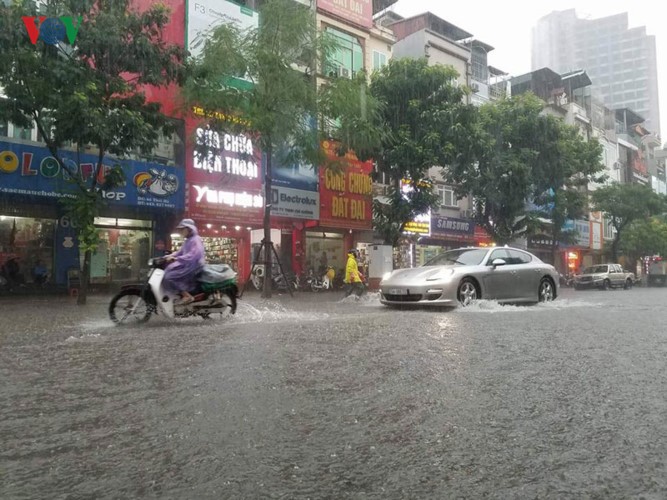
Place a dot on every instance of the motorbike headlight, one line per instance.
(445, 274)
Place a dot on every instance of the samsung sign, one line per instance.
(295, 203)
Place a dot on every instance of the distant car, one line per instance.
(459, 277)
(604, 277)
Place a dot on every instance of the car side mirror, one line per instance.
(498, 262)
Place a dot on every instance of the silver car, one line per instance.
(459, 277)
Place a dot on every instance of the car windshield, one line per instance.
(463, 257)
(595, 270)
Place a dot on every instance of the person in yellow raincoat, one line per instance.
(352, 280)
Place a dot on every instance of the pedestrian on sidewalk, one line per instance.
(353, 282)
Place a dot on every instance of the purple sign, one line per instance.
(452, 226)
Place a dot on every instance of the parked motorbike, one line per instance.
(215, 294)
(324, 282)
(277, 280)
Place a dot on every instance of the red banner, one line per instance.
(359, 12)
(225, 187)
(346, 196)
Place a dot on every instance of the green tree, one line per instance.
(90, 93)
(278, 106)
(501, 180)
(624, 204)
(566, 164)
(427, 124)
(645, 237)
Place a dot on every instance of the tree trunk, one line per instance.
(614, 247)
(84, 279)
(268, 274)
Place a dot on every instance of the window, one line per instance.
(499, 254)
(517, 257)
(447, 197)
(4, 129)
(347, 59)
(379, 60)
(22, 133)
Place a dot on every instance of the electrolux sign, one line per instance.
(295, 203)
(295, 190)
(31, 171)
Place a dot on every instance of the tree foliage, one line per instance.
(279, 106)
(526, 157)
(645, 237)
(427, 124)
(90, 93)
(624, 204)
(566, 164)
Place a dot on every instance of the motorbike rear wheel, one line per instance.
(122, 308)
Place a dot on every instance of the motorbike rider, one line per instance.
(353, 282)
(180, 276)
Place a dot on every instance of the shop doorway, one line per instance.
(123, 252)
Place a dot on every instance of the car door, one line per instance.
(527, 278)
(618, 275)
(499, 282)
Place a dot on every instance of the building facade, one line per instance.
(621, 61)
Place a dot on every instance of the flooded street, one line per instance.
(315, 397)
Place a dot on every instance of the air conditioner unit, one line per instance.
(467, 214)
(474, 87)
(344, 72)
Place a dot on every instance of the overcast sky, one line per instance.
(506, 25)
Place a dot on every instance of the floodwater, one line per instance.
(318, 397)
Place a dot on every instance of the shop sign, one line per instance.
(359, 12)
(205, 15)
(295, 203)
(231, 155)
(540, 241)
(212, 204)
(421, 224)
(295, 187)
(583, 231)
(32, 171)
(596, 236)
(452, 226)
(346, 197)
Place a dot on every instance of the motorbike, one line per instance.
(216, 293)
(325, 282)
(277, 280)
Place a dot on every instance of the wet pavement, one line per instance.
(315, 397)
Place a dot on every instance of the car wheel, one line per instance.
(606, 285)
(546, 291)
(628, 284)
(467, 292)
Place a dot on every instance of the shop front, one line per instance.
(35, 228)
(346, 217)
(447, 233)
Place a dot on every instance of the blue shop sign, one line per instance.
(31, 171)
(452, 225)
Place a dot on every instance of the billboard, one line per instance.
(452, 227)
(226, 186)
(346, 196)
(31, 171)
(359, 12)
(205, 15)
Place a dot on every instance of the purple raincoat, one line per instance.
(181, 275)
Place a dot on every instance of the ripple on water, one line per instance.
(492, 306)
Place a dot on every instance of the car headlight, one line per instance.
(441, 275)
(386, 276)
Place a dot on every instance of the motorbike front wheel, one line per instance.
(129, 307)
